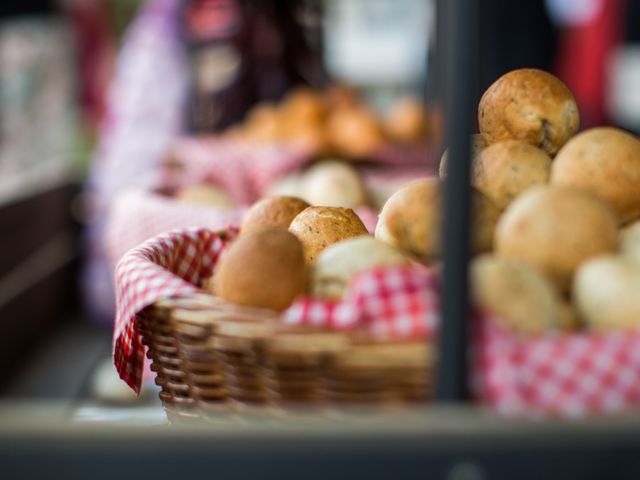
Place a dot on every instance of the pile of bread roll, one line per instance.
(555, 222)
(333, 122)
(566, 240)
(288, 248)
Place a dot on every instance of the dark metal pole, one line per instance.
(458, 46)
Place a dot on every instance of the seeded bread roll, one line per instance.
(338, 263)
(605, 162)
(555, 229)
(529, 105)
(504, 170)
(276, 211)
(519, 297)
(478, 143)
(265, 268)
(411, 220)
(319, 227)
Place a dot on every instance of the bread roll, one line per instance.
(334, 184)
(555, 229)
(529, 105)
(337, 264)
(263, 123)
(319, 227)
(205, 195)
(478, 143)
(339, 95)
(504, 170)
(265, 268)
(606, 293)
(354, 132)
(411, 220)
(289, 186)
(605, 162)
(519, 297)
(629, 241)
(272, 212)
(406, 121)
(303, 105)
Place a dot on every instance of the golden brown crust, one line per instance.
(264, 268)
(411, 219)
(529, 105)
(606, 162)
(354, 131)
(478, 143)
(520, 297)
(504, 170)
(555, 229)
(319, 227)
(277, 211)
(406, 121)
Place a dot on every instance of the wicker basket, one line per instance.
(213, 359)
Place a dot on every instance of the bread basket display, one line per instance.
(303, 309)
(213, 358)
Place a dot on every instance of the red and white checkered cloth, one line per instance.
(392, 302)
(567, 375)
(243, 170)
(138, 215)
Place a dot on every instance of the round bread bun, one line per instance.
(289, 186)
(520, 297)
(310, 137)
(272, 212)
(354, 132)
(406, 121)
(205, 194)
(606, 293)
(319, 227)
(333, 183)
(339, 95)
(265, 269)
(478, 143)
(606, 162)
(411, 220)
(555, 229)
(263, 123)
(337, 264)
(303, 105)
(529, 105)
(629, 241)
(504, 170)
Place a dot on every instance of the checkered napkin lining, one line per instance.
(392, 302)
(243, 170)
(567, 375)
